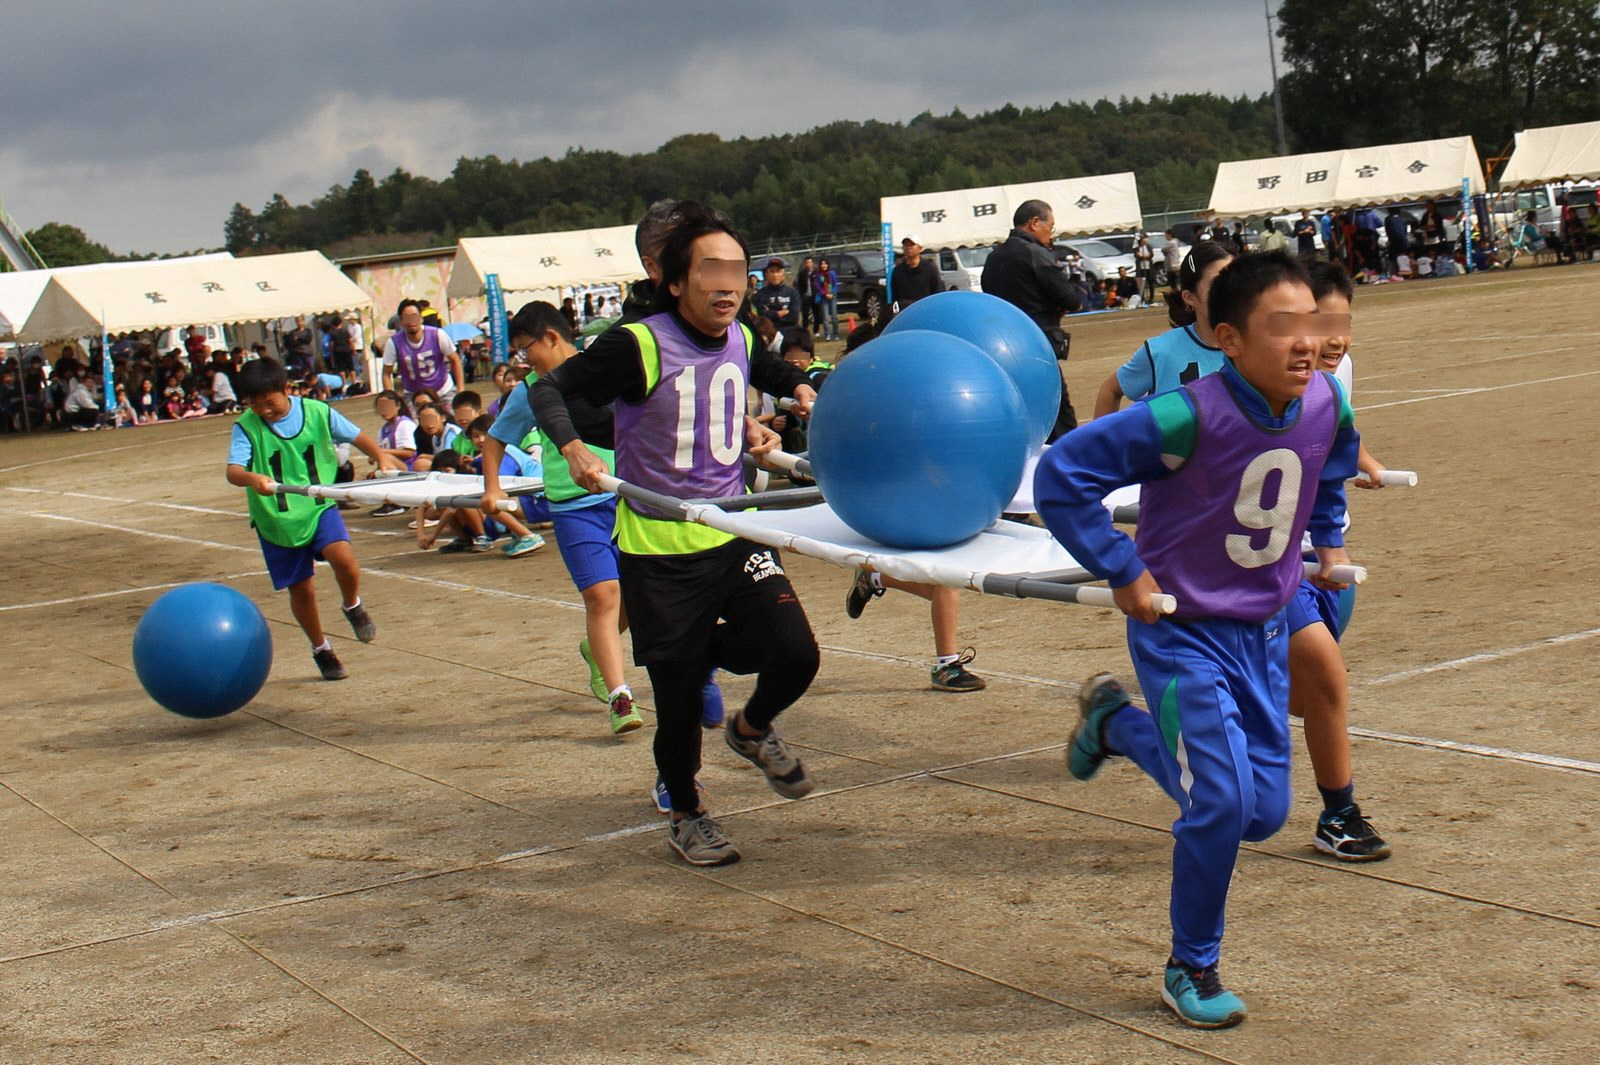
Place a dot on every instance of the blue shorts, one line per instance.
(535, 509)
(584, 536)
(1312, 604)
(291, 565)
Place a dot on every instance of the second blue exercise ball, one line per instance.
(1007, 336)
(918, 440)
(202, 650)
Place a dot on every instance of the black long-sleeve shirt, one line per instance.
(612, 368)
(1023, 272)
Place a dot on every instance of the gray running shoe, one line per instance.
(699, 841)
(771, 755)
(956, 677)
(329, 665)
(366, 631)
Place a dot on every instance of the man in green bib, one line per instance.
(289, 440)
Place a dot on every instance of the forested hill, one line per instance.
(826, 180)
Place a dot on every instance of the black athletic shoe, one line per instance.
(860, 594)
(1349, 837)
(955, 677)
(388, 510)
(328, 662)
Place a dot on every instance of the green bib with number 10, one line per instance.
(305, 458)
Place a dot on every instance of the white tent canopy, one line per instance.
(20, 291)
(1354, 177)
(973, 217)
(542, 262)
(1554, 153)
(179, 293)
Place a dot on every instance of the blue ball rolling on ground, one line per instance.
(1007, 336)
(202, 650)
(918, 440)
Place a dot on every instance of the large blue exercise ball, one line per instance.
(1007, 336)
(202, 650)
(918, 440)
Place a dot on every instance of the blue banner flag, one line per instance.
(499, 342)
(888, 261)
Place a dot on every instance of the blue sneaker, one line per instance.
(663, 801)
(1099, 698)
(711, 713)
(1198, 997)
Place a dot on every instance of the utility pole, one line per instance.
(1277, 97)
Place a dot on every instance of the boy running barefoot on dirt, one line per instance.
(289, 440)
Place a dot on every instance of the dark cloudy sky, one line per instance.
(144, 123)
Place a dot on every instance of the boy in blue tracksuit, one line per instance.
(1235, 467)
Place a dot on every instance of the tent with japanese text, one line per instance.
(178, 293)
(20, 291)
(1554, 153)
(544, 263)
(1108, 203)
(1353, 177)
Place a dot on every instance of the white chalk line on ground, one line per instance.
(170, 506)
(1477, 391)
(1484, 656)
(1453, 746)
(92, 454)
(1467, 365)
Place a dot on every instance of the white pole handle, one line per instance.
(782, 459)
(1161, 602)
(1343, 574)
(1398, 478)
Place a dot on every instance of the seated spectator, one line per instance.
(1127, 289)
(397, 437)
(506, 381)
(466, 406)
(1404, 267)
(123, 413)
(469, 529)
(223, 399)
(194, 405)
(79, 410)
(435, 433)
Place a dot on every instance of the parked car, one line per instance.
(962, 268)
(1100, 260)
(861, 283)
(1126, 242)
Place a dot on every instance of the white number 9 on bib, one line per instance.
(1278, 520)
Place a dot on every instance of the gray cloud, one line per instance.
(167, 113)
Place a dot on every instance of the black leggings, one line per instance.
(763, 630)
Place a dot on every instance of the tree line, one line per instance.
(825, 180)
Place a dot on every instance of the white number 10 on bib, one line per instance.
(1277, 520)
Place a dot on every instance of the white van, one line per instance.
(962, 268)
(216, 339)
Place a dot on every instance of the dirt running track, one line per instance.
(448, 858)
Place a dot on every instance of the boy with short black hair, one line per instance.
(289, 440)
(1235, 467)
(466, 406)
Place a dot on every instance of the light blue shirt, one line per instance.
(515, 420)
(1167, 361)
(343, 429)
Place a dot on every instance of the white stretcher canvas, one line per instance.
(1005, 548)
(419, 489)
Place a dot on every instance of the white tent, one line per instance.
(545, 262)
(179, 293)
(20, 291)
(1108, 203)
(1354, 177)
(1554, 153)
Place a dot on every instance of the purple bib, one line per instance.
(422, 366)
(1223, 532)
(687, 438)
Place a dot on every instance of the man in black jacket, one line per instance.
(1023, 272)
(914, 277)
(776, 300)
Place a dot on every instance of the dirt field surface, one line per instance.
(448, 857)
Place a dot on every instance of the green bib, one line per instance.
(305, 458)
(559, 487)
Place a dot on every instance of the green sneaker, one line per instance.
(1198, 997)
(624, 718)
(1099, 698)
(597, 683)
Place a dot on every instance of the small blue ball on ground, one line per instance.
(918, 440)
(1007, 336)
(202, 650)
